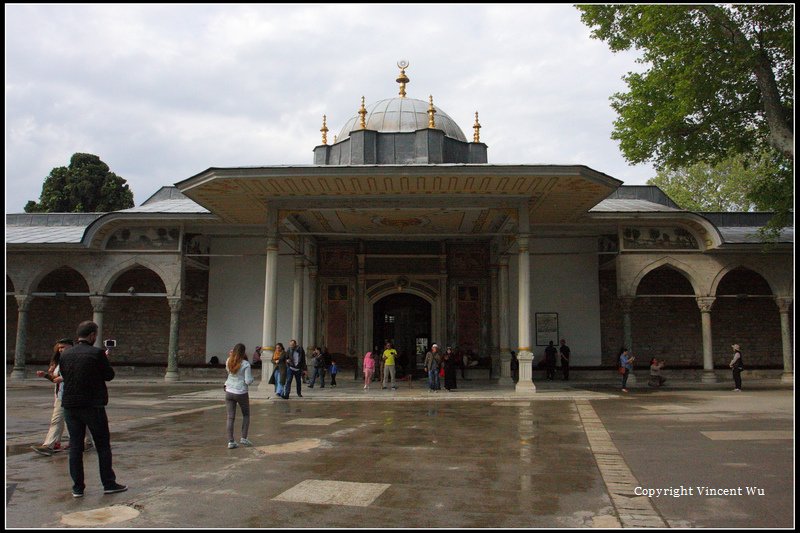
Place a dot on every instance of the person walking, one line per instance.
(85, 370)
(52, 442)
(625, 363)
(450, 365)
(564, 351)
(369, 369)
(737, 364)
(318, 360)
(433, 362)
(334, 371)
(240, 376)
(295, 358)
(389, 357)
(279, 374)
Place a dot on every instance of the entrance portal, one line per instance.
(405, 321)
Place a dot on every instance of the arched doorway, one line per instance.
(405, 320)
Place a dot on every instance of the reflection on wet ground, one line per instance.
(384, 463)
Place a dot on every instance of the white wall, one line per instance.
(564, 280)
(236, 295)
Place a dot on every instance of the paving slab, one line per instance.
(475, 458)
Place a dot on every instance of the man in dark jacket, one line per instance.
(550, 361)
(295, 367)
(85, 369)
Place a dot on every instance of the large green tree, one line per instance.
(724, 186)
(86, 186)
(719, 81)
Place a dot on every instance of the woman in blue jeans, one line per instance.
(279, 375)
(626, 362)
(237, 393)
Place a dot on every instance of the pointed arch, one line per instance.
(114, 273)
(44, 273)
(676, 264)
(727, 269)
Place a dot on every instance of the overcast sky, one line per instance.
(163, 92)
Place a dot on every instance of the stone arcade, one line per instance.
(402, 230)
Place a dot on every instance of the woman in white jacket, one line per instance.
(236, 391)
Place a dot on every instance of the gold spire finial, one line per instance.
(431, 113)
(363, 114)
(402, 79)
(324, 129)
(476, 137)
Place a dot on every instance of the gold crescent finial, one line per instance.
(324, 129)
(402, 79)
(476, 137)
(363, 114)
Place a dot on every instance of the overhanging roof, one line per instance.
(552, 193)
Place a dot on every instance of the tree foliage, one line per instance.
(719, 83)
(86, 186)
(725, 186)
(720, 79)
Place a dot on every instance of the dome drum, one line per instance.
(423, 146)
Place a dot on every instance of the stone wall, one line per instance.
(670, 328)
(140, 324)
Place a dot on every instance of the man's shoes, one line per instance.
(624, 390)
(299, 395)
(116, 487)
(77, 493)
(232, 445)
(47, 451)
(285, 396)
(245, 442)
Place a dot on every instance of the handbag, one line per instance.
(441, 373)
(621, 370)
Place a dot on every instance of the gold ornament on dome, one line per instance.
(324, 129)
(402, 79)
(476, 137)
(431, 113)
(362, 113)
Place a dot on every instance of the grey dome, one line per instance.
(402, 115)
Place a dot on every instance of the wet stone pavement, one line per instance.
(391, 462)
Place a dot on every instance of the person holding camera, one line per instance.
(656, 379)
(626, 366)
(85, 369)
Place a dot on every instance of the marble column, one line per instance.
(506, 379)
(626, 302)
(98, 307)
(524, 353)
(784, 304)
(494, 311)
(311, 326)
(705, 303)
(297, 301)
(23, 305)
(175, 304)
(270, 325)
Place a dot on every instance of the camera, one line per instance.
(110, 343)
